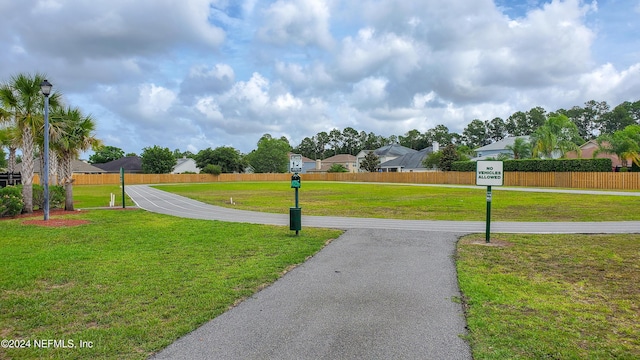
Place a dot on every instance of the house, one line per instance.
(346, 160)
(497, 148)
(385, 153)
(411, 162)
(586, 152)
(186, 165)
(77, 167)
(130, 164)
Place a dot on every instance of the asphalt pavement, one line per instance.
(385, 289)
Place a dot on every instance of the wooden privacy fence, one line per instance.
(579, 180)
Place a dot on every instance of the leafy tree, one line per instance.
(557, 136)
(22, 99)
(336, 140)
(131, 154)
(449, 156)
(441, 134)
(411, 139)
(351, 143)
(105, 154)
(76, 136)
(516, 124)
(496, 129)
(520, 148)
(624, 143)
(271, 156)
(227, 158)
(432, 161)
(337, 168)
(475, 134)
(307, 148)
(370, 162)
(157, 160)
(618, 119)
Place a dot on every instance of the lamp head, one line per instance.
(45, 87)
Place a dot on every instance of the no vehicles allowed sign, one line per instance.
(489, 173)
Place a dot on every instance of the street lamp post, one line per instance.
(45, 87)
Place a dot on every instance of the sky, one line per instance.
(193, 74)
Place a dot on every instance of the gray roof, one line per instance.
(409, 161)
(77, 166)
(393, 150)
(131, 164)
(502, 144)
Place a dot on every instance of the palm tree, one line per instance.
(624, 143)
(557, 136)
(521, 148)
(9, 139)
(75, 136)
(22, 99)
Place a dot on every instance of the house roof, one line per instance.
(183, 160)
(129, 163)
(340, 158)
(409, 161)
(501, 144)
(77, 166)
(393, 150)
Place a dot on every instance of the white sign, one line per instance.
(489, 173)
(295, 163)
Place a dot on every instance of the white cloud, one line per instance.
(155, 99)
(301, 22)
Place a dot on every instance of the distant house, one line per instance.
(131, 165)
(497, 148)
(411, 162)
(77, 167)
(385, 153)
(186, 165)
(346, 160)
(586, 152)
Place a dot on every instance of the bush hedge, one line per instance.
(56, 196)
(546, 165)
(10, 201)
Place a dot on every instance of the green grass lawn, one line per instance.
(412, 202)
(92, 196)
(552, 296)
(132, 282)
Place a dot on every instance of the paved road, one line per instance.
(163, 202)
(385, 289)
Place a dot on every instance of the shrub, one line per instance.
(337, 168)
(56, 196)
(10, 201)
(544, 165)
(212, 169)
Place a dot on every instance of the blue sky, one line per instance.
(193, 74)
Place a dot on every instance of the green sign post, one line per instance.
(122, 185)
(295, 213)
(489, 173)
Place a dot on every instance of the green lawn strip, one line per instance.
(411, 202)
(92, 196)
(132, 282)
(552, 296)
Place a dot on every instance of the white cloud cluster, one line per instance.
(200, 73)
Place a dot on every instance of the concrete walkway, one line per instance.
(386, 289)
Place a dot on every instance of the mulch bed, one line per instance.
(37, 218)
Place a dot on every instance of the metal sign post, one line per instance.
(122, 185)
(489, 173)
(295, 213)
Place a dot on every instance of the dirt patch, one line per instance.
(493, 243)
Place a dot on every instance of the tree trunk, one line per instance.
(27, 170)
(67, 180)
(11, 167)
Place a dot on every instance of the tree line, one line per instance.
(562, 130)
